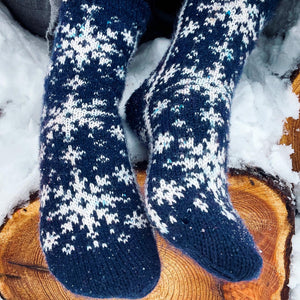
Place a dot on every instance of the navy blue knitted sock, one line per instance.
(93, 230)
(185, 105)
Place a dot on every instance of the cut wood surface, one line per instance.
(262, 201)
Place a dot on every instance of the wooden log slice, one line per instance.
(271, 222)
(262, 201)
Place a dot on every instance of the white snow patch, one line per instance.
(23, 62)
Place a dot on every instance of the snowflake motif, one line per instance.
(193, 55)
(91, 9)
(103, 181)
(117, 131)
(72, 155)
(136, 221)
(167, 192)
(44, 195)
(163, 142)
(189, 29)
(67, 227)
(195, 180)
(189, 144)
(50, 240)
(75, 82)
(177, 108)
(128, 37)
(211, 116)
(106, 47)
(102, 158)
(124, 175)
(85, 40)
(170, 73)
(42, 151)
(241, 21)
(71, 115)
(224, 52)
(77, 204)
(161, 105)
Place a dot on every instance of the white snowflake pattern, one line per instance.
(128, 37)
(70, 116)
(189, 29)
(50, 240)
(84, 43)
(75, 82)
(242, 20)
(161, 105)
(214, 118)
(72, 155)
(163, 142)
(167, 192)
(117, 131)
(123, 174)
(136, 220)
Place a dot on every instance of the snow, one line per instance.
(262, 102)
(23, 63)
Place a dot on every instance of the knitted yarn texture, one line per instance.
(182, 112)
(93, 229)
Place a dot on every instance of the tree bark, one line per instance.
(291, 132)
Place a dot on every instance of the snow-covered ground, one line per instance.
(262, 102)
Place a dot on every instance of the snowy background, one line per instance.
(262, 102)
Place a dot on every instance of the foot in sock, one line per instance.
(185, 109)
(93, 230)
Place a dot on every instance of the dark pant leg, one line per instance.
(163, 16)
(34, 15)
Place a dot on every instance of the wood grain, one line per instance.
(262, 201)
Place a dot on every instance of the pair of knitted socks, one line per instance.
(95, 231)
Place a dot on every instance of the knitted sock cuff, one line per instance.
(131, 11)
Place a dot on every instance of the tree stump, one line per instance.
(264, 203)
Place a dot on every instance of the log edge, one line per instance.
(285, 192)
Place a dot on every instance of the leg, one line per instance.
(93, 228)
(183, 112)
